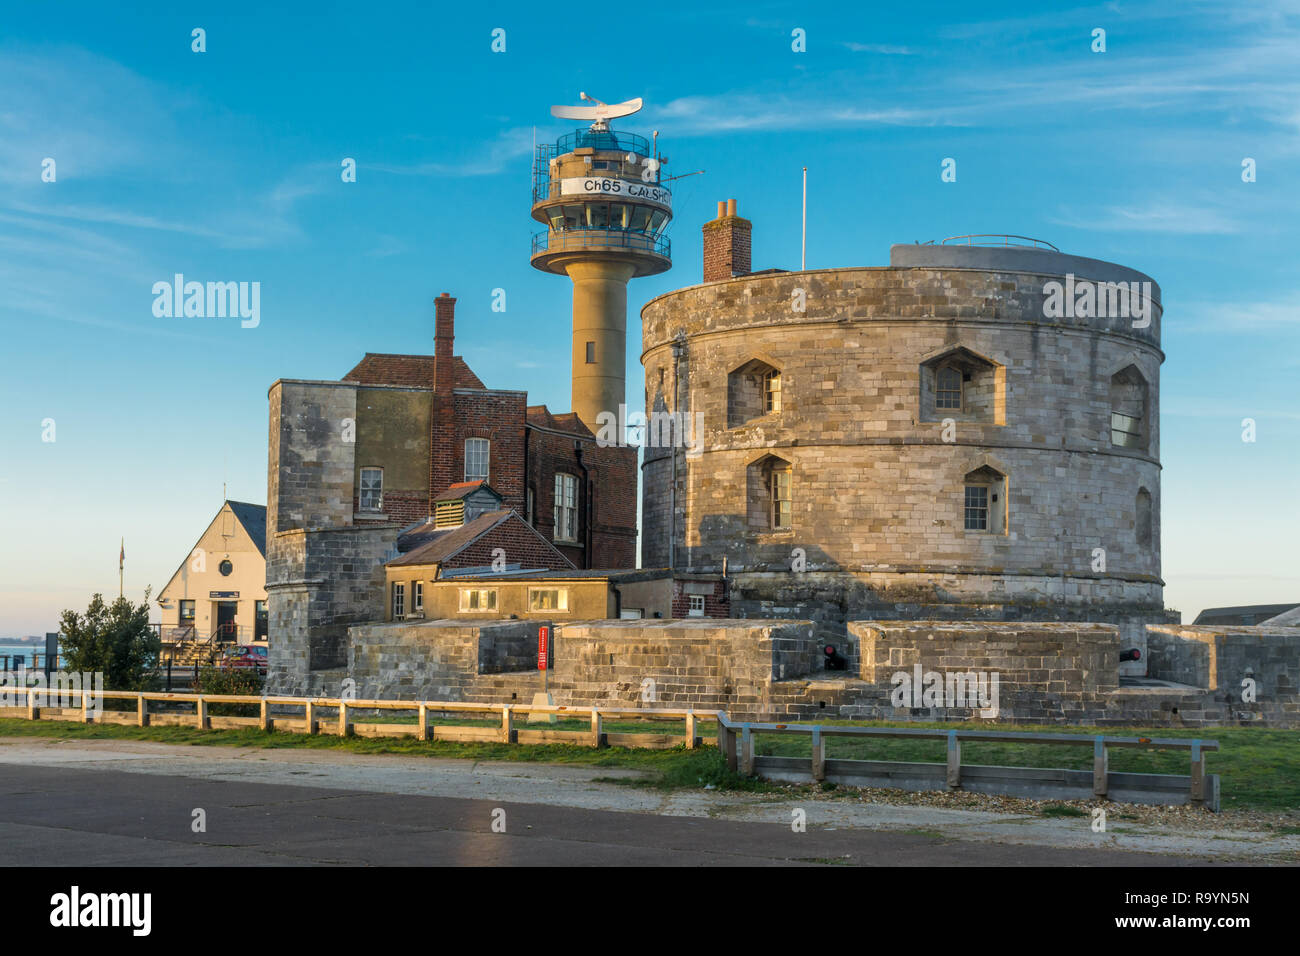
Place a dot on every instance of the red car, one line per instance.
(244, 655)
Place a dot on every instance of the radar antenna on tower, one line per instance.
(601, 113)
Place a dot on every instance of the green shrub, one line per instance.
(231, 680)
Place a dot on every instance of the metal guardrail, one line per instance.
(1201, 789)
(999, 239)
(582, 239)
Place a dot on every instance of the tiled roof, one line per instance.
(253, 518)
(446, 544)
(462, 489)
(541, 417)
(415, 371)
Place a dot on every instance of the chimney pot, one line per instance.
(731, 207)
(722, 208)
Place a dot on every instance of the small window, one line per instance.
(477, 599)
(548, 599)
(977, 508)
(1125, 430)
(566, 507)
(782, 505)
(772, 391)
(399, 601)
(187, 612)
(947, 388)
(528, 498)
(696, 605)
(417, 596)
(476, 459)
(372, 489)
(591, 353)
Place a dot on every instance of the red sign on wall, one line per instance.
(543, 645)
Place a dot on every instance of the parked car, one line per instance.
(244, 655)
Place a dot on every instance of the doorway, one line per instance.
(227, 629)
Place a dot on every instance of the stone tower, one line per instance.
(598, 192)
(970, 432)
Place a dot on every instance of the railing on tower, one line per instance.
(572, 240)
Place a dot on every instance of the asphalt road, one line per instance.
(62, 816)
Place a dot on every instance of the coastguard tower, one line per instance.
(599, 194)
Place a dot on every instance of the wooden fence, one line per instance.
(343, 722)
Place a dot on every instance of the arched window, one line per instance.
(1142, 517)
(771, 495)
(1128, 410)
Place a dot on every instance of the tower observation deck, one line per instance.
(600, 196)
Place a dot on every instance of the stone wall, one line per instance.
(773, 670)
(1220, 658)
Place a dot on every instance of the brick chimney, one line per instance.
(726, 244)
(442, 425)
(444, 336)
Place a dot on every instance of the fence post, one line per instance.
(746, 750)
(85, 708)
(264, 718)
(954, 761)
(424, 721)
(344, 727)
(507, 725)
(690, 730)
(727, 741)
(1100, 767)
(309, 712)
(1198, 775)
(818, 754)
(204, 722)
(33, 712)
(141, 711)
(595, 727)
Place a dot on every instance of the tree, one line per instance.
(114, 639)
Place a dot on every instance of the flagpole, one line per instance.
(121, 561)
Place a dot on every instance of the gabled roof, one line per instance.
(441, 546)
(416, 371)
(462, 489)
(253, 518)
(540, 416)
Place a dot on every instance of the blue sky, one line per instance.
(225, 165)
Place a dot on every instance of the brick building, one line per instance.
(353, 463)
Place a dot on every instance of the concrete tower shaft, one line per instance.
(599, 336)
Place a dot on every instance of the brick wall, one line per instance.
(726, 245)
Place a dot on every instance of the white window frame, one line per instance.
(943, 396)
(482, 454)
(478, 600)
(968, 508)
(776, 477)
(363, 490)
(771, 392)
(561, 600)
(417, 596)
(398, 604)
(695, 605)
(565, 507)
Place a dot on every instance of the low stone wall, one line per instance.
(773, 669)
(1255, 670)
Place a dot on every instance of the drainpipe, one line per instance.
(679, 345)
(586, 507)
